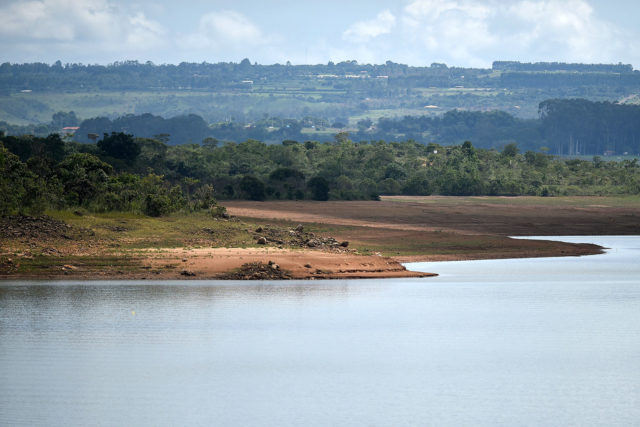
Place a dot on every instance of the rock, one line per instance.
(344, 244)
(259, 230)
(69, 267)
(187, 273)
(307, 266)
(257, 271)
(184, 260)
(299, 228)
(262, 241)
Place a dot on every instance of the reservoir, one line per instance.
(547, 341)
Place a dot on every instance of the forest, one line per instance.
(564, 127)
(145, 175)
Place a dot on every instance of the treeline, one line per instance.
(134, 75)
(123, 173)
(561, 66)
(613, 81)
(564, 127)
(44, 173)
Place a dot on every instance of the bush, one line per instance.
(157, 205)
(252, 187)
(218, 212)
(319, 188)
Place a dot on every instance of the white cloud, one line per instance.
(457, 32)
(89, 26)
(224, 28)
(568, 29)
(144, 32)
(364, 31)
(451, 30)
(475, 32)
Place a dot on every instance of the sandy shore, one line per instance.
(205, 263)
(215, 263)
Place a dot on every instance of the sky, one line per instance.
(469, 33)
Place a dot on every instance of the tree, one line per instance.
(510, 150)
(120, 146)
(83, 176)
(319, 188)
(252, 187)
(14, 182)
(62, 119)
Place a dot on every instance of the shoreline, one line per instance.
(230, 264)
(291, 239)
(294, 264)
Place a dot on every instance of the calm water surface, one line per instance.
(552, 341)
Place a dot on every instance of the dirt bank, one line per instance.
(32, 248)
(298, 264)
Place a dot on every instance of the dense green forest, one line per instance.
(145, 175)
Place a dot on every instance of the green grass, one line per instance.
(131, 231)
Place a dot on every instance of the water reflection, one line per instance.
(519, 342)
(82, 293)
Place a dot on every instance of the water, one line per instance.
(552, 341)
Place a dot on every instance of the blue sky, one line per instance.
(417, 32)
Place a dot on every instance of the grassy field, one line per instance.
(117, 241)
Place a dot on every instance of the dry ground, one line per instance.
(380, 235)
(453, 228)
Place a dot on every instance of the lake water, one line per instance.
(542, 342)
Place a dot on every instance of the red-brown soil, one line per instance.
(517, 216)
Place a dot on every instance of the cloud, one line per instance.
(456, 30)
(93, 26)
(224, 28)
(475, 32)
(418, 32)
(568, 29)
(364, 31)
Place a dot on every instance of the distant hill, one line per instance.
(346, 91)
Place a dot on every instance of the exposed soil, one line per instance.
(41, 228)
(517, 216)
(455, 228)
(308, 240)
(283, 253)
